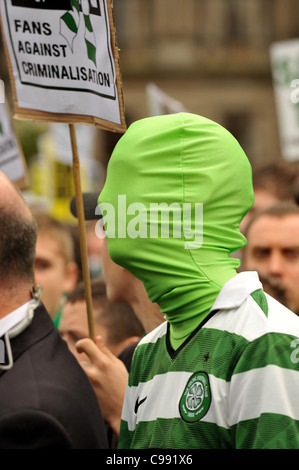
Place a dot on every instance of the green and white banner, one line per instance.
(63, 60)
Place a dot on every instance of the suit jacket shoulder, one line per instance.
(46, 398)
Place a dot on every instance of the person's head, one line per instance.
(17, 239)
(116, 323)
(273, 247)
(55, 267)
(272, 183)
(177, 188)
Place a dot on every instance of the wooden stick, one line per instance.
(82, 231)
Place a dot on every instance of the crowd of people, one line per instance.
(195, 342)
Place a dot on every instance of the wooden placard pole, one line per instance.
(82, 231)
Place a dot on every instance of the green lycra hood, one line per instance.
(186, 162)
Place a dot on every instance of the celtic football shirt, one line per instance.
(222, 371)
(223, 387)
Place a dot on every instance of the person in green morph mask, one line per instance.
(222, 370)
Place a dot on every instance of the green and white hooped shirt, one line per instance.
(223, 371)
(232, 384)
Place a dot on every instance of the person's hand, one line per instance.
(108, 376)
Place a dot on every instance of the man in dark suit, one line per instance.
(46, 398)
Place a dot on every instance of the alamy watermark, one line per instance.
(295, 92)
(295, 353)
(157, 220)
(2, 92)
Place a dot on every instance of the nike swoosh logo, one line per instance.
(138, 403)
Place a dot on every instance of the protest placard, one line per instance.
(63, 61)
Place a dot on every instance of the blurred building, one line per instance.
(210, 55)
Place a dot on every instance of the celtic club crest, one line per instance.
(196, 399)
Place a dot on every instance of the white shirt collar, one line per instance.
(13, 318)
(236, 290)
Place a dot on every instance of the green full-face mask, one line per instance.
(176, 191)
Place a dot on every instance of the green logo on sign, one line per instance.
(69, 26)
(196, 399)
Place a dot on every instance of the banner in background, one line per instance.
(58, 142)
(51, 175)
(160, 103)
(63, 61)
(12, 162)
(285, 70)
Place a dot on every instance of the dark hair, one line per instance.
(281, 209)
(17, 246)
(277, 178)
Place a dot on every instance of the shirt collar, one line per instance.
(236, 290)
(13, 318)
